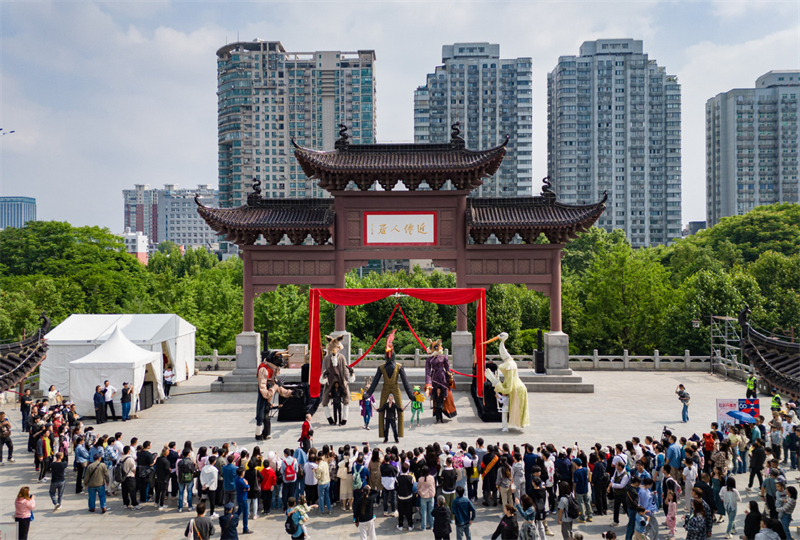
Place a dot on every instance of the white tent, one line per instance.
(117, 360)
(79, 335)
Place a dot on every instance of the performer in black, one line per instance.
(390, 411)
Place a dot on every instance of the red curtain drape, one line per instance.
(357, 297)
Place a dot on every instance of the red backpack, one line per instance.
(289, 473)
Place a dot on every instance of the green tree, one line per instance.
(626, 294)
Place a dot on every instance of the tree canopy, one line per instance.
(613, 297)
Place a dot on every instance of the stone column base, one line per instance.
(248, 354)
(556, 353)
(461, 355)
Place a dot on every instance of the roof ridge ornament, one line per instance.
(455, 134)
(255, 196)
(547, 190)
(344, 139)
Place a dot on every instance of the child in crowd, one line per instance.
(672, 512)
(416, 405)
(367, 404)
(304, 508)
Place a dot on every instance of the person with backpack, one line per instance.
(288, 472)
(360, 478)
(364, 515)
(201, 527)
(125, 474)
(186, 469)
(568, 510)
(294, 519)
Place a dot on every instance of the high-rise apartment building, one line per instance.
(614, 124)
(491, 98)
(170, 214)
(751, 146)
(16, 211)
(266, 96)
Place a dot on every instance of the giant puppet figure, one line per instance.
(335, 369)
(439, 376)
(392, 373)
(267, 374)
(511, 386)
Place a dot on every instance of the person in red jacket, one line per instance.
(268, 481)
(306, 434)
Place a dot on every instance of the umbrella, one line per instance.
(742, 417)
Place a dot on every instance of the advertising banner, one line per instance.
(724, 406)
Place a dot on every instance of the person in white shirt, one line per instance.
(119, 447)
(209, 476)
(169, 380)
(109, 392)
(312, 493)
(690, 477)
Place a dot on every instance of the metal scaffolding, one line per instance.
(726, 355)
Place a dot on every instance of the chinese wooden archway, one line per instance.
(316, 241)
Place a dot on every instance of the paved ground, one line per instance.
(623, 405)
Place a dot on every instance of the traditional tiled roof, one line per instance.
(272, 219)
(777, 361)
(529, 217)
(19, 359)
(388, 164)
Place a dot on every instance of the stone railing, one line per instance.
(594, 361)
(625, 361)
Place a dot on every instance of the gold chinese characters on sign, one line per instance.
(400, 228)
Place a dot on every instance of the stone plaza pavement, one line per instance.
(623, 405)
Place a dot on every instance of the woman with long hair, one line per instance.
(23, 507)
(426, 489)
(505, 483)
(365, 516)
(730, 502)
(752, 521)
(696, 525)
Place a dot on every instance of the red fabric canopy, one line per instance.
(357, 297)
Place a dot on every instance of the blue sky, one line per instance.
(110, 94)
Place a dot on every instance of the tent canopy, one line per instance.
(79, 335)
(117, 352)
(141, 329)
(117, 360)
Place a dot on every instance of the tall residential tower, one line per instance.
(266, 96)
(614, 124)
(751, 146)
(491, 98)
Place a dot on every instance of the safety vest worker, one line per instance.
(751, 382)
(776, 402)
